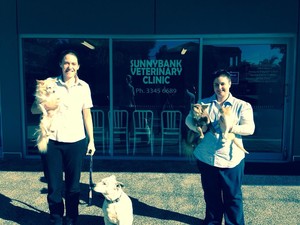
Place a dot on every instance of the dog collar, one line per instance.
(114, 201)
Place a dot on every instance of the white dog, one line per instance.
(117, 206)
(45, 92)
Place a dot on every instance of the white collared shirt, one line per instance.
(68, 125)
(211, 150)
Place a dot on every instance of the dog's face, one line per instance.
(226, 118)
(47, 86)
(198, 110)
(200, 114)
(109, 187)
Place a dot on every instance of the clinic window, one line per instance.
(258, 73)
(155, 75)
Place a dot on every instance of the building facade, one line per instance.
(154, 57)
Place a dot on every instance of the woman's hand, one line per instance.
(91, 148)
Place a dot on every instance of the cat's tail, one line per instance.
(240, 146)
(42, 143)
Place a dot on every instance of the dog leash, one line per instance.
(91, 180)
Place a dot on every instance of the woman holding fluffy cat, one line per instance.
(67, 140)
(221, 163)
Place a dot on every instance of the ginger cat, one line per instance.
(226, 120)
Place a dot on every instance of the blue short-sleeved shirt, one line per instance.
(211, 149)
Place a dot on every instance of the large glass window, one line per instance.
(258, 76)
(41, 60)
(154, 75)
(134, 82)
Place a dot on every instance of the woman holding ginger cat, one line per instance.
(221, 163)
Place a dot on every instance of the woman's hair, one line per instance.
(220, 73)
(66, 52)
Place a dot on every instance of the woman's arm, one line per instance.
(88, 123)
(246, 125)
(35, 109)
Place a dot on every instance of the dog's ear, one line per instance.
(40, 81)
(113, 177)
(204, 107)
(54, 79)
(225, 109)
(120, 184)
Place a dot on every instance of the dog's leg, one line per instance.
(107, 222)
(42, 108)
(200, 131)
(231, 137)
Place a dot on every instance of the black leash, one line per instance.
(91, 184)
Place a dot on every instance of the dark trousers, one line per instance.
(223, 193)
(68, 158)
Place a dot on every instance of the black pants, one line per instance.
(223, 193)
(68, 158)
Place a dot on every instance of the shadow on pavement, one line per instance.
(143, 209)
(19, 215)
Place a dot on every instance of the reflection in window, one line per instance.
(258, 72)
(155, 75)
(159, 71)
